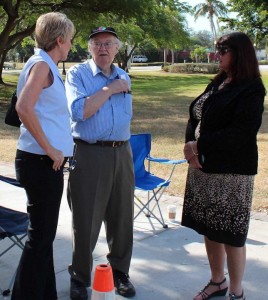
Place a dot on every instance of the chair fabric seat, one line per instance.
(12, 222)
(149, 182)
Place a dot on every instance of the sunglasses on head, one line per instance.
(223, 49)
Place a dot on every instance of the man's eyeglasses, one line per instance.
(106, 45)
(223, 50)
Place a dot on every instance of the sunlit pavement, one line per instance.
(167, 264)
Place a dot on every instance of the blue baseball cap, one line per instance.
(102, 30)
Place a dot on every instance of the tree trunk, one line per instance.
(213, 29)
(173, 56)
(2, 60)
(165, 56)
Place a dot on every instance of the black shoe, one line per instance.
(78, 290)
(233, 296)
(123, 285)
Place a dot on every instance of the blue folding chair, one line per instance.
(145, 180)
(13, 226)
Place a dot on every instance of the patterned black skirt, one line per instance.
(218, 206)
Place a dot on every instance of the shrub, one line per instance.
(191, 68)
(165, 68)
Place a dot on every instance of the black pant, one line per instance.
(35, 279)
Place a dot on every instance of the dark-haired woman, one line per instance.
(222, 152)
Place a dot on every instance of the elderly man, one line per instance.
(101, 186)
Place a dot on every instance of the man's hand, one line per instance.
(118, 86)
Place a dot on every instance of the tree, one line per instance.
(18, 17)
(199, 54)
(211, 9)
(252, 18)
(202, 38)
(159, 25)
(158, 21)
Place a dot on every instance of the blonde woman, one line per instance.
(44, 144)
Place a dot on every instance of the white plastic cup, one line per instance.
(172, 212)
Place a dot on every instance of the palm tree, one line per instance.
(211, 9)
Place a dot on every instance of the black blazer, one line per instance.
(231, 118)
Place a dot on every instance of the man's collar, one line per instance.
(96, 70)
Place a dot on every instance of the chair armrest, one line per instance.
(10, 180)
(166, 161)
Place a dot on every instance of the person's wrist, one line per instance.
(194, 147)
(107, 90)
(189, 159)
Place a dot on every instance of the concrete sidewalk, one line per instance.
(167, 264)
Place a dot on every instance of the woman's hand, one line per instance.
(57, 157)
(190, 150)
(194, 162)
(191, 154)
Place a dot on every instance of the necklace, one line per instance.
(223, 84)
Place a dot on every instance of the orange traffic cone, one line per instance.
(103, 284)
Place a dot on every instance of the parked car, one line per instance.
(139, 58)
(8, 66)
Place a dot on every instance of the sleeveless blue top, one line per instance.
(51, 110)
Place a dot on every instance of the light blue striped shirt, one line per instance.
(112, 121)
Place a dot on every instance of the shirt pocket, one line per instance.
(128, 103)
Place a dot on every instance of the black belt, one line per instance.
(113, 144)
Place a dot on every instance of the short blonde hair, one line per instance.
(49, 27)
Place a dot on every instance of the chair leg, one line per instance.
(158, 206)
(149, 212)
(7, 291)
(16, 241)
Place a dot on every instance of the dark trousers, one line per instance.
(101, 189)
(35, 279)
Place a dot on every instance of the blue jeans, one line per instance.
(35, 279)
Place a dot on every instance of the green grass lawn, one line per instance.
(160, 106)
